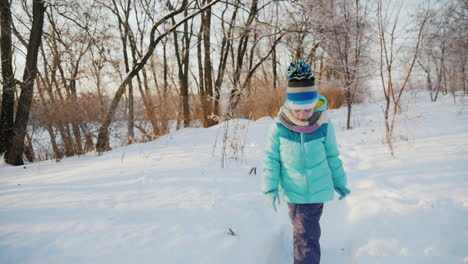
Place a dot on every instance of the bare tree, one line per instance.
(15, 149)
(102, 144)
(344, 40)
(238, 57)
(387, 23)
(8, 96)
(443, 57)
(242, 54)
(71, 33)
(205, 66)
(182, 53)
(227, 39)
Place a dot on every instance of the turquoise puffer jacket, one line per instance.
(304, 168)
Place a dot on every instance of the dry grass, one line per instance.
(258, 101)
(333, 91)
(265, 101)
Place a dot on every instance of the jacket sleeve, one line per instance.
(334, 162)
(271, 161)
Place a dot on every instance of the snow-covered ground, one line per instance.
(118, 132)
(169, 201)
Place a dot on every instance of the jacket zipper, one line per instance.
(303, 165)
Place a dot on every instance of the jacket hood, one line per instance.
(322, 103)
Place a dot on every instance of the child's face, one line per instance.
(303, 115)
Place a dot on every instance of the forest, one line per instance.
(91, 75)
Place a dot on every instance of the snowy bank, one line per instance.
(169, 201)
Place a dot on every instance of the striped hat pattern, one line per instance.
(301, 92)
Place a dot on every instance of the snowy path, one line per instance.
(169, 201)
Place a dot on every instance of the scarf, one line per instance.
(287, 119)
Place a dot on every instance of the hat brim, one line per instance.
(294, 106)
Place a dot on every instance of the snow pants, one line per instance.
(305, 219)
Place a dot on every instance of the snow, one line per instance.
(169, 201)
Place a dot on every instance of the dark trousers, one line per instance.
(305, 219)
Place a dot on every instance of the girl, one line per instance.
(301, 161)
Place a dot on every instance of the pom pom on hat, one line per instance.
(299, 70)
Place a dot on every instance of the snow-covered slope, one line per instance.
(169, 201)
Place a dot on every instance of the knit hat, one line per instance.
(301, 92)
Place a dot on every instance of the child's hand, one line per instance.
(273, 198)
(342, 191)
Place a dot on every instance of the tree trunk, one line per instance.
(67, 140)
(463, 71)
(8, 96)
(130, 132)
(28, 149)
(183, 59)
(275, 71)
(76, 120)
(48, 126)
(89, 145)
(58, 154)
(241, 51)
(165, 116)
(161, 113)
(226, 46)
(201, 83)
(124, 29)
(208, 65)
(349, 102)
(149, 105)
(14, 153)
